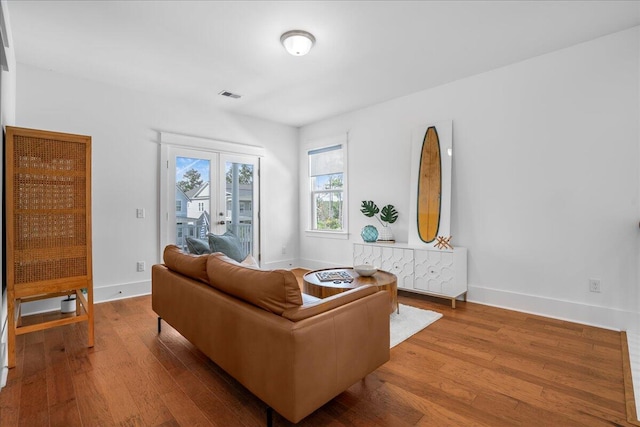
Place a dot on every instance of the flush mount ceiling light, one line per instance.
(297, 42)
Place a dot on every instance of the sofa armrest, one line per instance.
(337, 348)
(313, 309)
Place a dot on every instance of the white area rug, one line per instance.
(409, 321)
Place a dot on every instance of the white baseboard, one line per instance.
(100, 294)
(121, 291)
(318, 265)
(601, 317)
(284, 264)
(299, 263)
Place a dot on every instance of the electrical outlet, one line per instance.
(140, 213)
(284, 250)
(594, 285)
(140, 265)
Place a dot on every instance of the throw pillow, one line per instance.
(228, 244)
(250, 261)
(198, 246)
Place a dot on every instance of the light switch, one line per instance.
(140, 213)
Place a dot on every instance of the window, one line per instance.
(201, 207)
(327, 179)
(178, 205)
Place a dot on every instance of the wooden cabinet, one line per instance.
(442, 273)
(48, 226)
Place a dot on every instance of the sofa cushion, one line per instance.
(313, 308)
(272, 290)
(198, 246)
(227, 243)
(191, 265)
(307, 300)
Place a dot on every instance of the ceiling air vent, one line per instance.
(230, 94)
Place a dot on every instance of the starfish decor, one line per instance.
(443, 243)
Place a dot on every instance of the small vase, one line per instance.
(385, 234)
(369, 233)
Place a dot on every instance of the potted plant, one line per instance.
(385, 216)
(68, 305)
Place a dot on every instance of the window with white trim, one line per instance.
(327, 177)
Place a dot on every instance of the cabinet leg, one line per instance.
(11, 326)
(18, 307)
(453, 303)
(90, 316)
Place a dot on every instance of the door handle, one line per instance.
(222, 222)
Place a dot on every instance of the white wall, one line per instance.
(545, 178)
(124, 126)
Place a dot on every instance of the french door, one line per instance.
(210, 192)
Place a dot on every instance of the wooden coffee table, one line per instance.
(382, 279)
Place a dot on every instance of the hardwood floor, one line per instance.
(477, 365)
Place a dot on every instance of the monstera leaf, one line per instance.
(389, 214)
(369, 208)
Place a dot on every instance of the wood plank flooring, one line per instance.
(478, 365)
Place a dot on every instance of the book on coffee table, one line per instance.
(327, 276)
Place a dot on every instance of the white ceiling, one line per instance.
(366, 52)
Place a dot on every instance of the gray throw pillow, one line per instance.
(228, 244)
(198, 246)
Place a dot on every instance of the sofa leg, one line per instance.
(269, 416)
(159, 324)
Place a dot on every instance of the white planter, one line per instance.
(385, 234)
(68, 305)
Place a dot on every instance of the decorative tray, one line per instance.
(330, 276)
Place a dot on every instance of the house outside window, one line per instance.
(327, 180)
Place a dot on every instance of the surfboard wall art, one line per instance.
(430, 201)
(429, 186)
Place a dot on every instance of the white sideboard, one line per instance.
(431, 271)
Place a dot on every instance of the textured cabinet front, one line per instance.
(398, 261)
(431, 271)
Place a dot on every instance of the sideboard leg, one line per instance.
(159, 324)
(269, 417)
(453, 303)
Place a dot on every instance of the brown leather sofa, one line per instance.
(293, 355)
